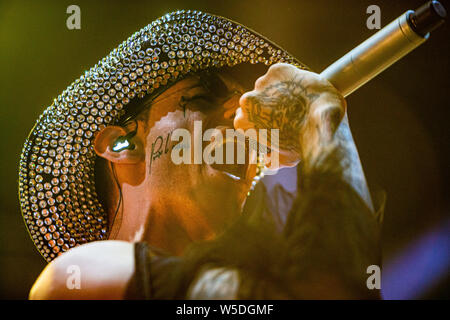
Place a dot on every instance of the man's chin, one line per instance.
(230, 187)
(231, 177)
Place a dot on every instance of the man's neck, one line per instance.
(161, 222)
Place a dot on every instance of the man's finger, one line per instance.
(241, 120)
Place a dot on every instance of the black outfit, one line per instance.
(323, 251)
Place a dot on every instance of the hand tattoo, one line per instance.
(351, 164)
(282, 106)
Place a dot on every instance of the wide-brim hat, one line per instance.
(57, 191)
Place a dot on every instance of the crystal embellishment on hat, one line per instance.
(56, 173)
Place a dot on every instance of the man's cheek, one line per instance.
(159, 148)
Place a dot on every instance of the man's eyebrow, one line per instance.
(201, 81)
(215, 84)
(155, 97)
(159, 99)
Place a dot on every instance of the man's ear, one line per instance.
(104, 142)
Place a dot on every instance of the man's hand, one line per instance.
(305, 108)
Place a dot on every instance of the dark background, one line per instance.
(399, 120)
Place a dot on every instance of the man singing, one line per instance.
(98, 165)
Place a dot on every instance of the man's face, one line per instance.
(218, 191)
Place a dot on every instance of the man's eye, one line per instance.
(199, 99)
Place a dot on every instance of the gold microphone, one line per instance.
(385, 47)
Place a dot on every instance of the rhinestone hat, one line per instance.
(57, 193)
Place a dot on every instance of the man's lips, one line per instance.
(235, 170)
